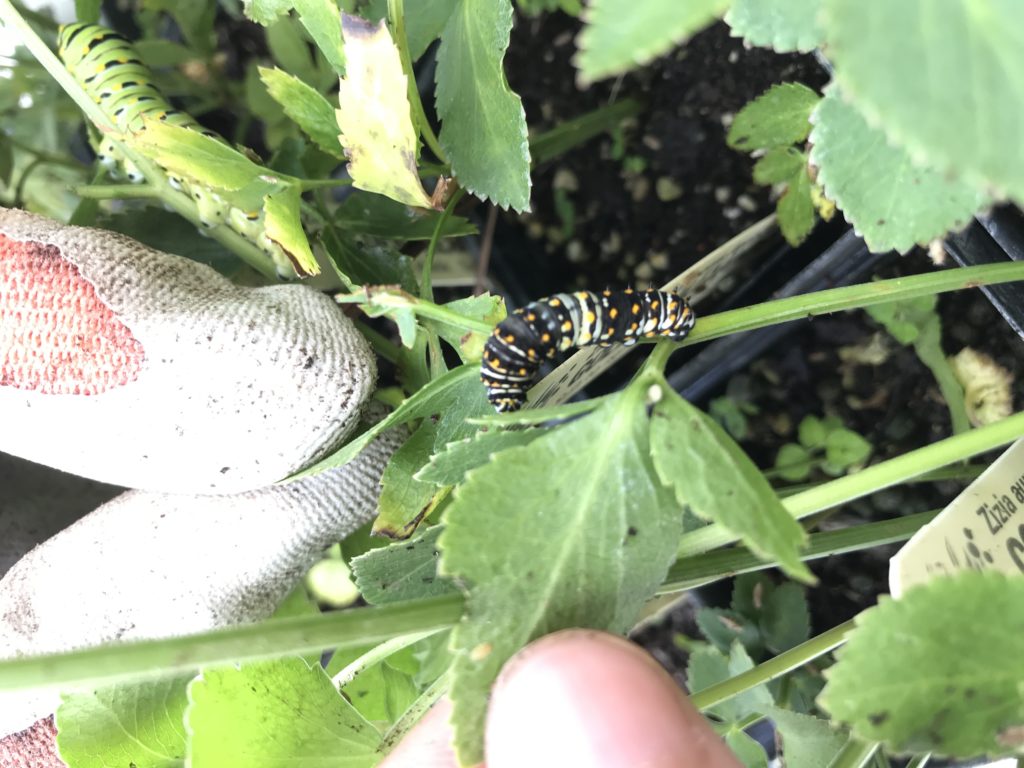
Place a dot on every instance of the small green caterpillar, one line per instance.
(109, 69)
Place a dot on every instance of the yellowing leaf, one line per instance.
(376, 127)
(284, 227)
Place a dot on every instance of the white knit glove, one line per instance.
(132, 366)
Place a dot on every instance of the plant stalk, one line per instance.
(873, 478)
(773, 668)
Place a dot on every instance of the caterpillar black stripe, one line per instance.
(544, 328)
(107, 66)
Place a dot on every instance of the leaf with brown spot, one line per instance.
(377, 131)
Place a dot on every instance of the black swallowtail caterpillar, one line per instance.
(109, 69)
(514, 352)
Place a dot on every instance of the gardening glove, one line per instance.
(136, 367)
(150, 371)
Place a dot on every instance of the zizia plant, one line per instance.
(569, 514)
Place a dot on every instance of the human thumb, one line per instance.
(594, 700)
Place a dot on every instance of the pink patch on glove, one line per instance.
(57, 335)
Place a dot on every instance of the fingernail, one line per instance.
(593, 700)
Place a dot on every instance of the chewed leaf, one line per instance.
(374, 116)
(938, 670)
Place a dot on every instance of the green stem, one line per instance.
(46, 157)
(381, 344)
(658, 358)
(376, 655)
(699, 570)
(855, 753)
(118, 191)
(873, 478)
(426, 279)
(307, 184)
(773, 668)
(28, 37)
(930, 352)
(962, 472)
(571, 133)
(396, 15)
(415, 712)
(851, 297)
(401, 300)
(299, 635)
(539, 415)
(919, 761)
(19, 188)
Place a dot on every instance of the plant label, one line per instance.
(982, 529)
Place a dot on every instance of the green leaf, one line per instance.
(778, 117)
(812, 432)
(275, 713)
(807, 742)
(136, 724)
(796, 209)
(785, 25)
(571, 530)
(785, 621)
(283, 225)
(944, 79)
(440, 395)
(484, 308)
(403, 571)
(793, 463)
(905, 320)
(450, 465)
(404, 500)
(158, 53)
(303, 104)
(196, 156)
(87, 11)
(914, 679)
(289, 48)
(424, 22)
(381, 693)
(374, 115)
(724, 627)
(323, 23)
(749, 752)
(709, 666)
(365, 263)
(365, 213)
(621, 34)
(712, 476)
(483, 124)
(893, 202)
(780, 164)
(844, 448)
(266, 12)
